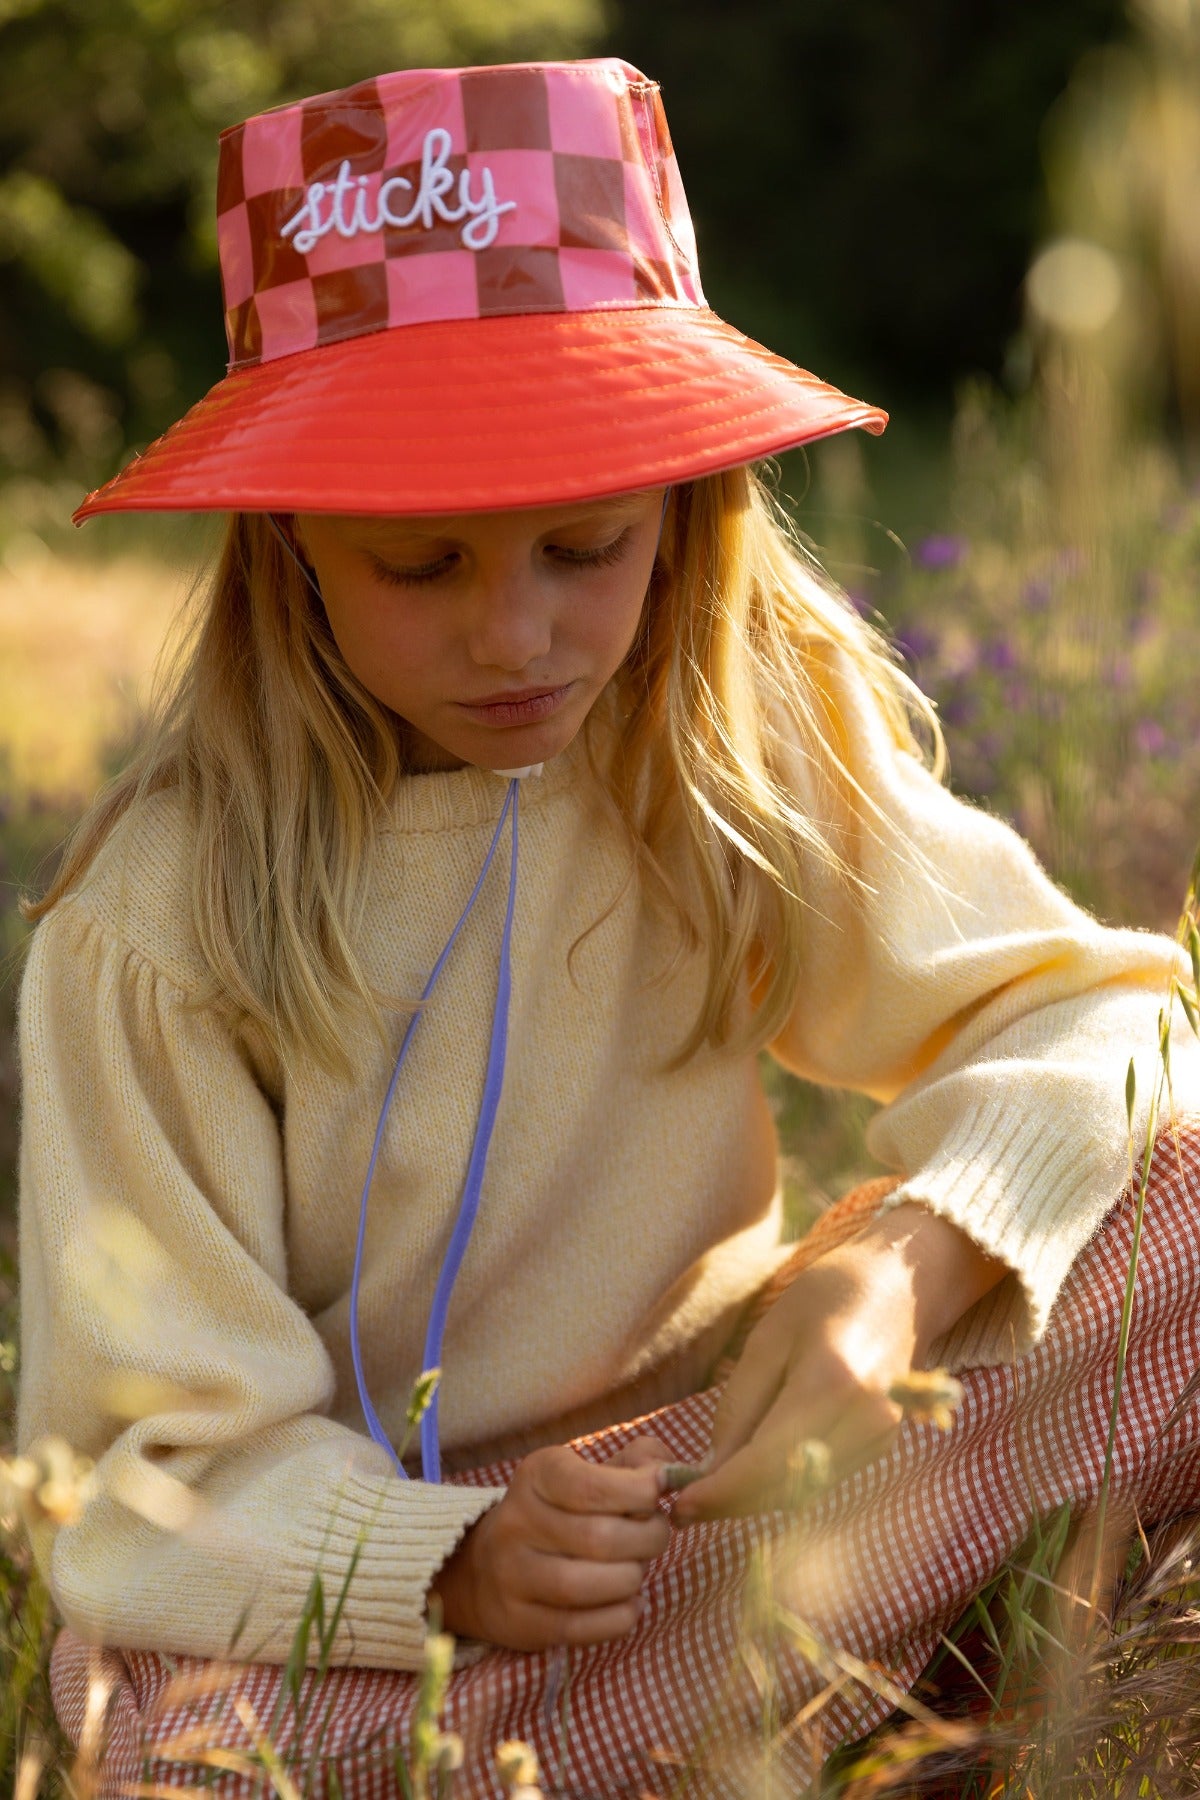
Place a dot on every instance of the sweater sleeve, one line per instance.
(953, 981)
(160, 1339)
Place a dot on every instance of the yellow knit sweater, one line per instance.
(189, 1207)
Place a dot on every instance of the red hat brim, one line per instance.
(485, 415)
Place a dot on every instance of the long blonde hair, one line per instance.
(284, 763)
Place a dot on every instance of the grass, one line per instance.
(1052, 618)
(1046, 1696)
(1048, 1686)
(60, 710)
(1051, 1684)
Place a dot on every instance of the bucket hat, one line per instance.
(456, 290)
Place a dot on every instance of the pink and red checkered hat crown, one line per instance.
(467, 289)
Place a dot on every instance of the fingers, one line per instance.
(641, 1453)
(574, 1575)
(599, 1538)
(562, 1479)
(860, 1437)
(748, 1394)
(569, 1507)
(749, 1481)
(799, 1447)
(574, 1584)
(561, 1559)
(539, 1627)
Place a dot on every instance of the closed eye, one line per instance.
(415, 577)
(602, 555)
(593, 558)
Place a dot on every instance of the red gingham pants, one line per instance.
(877, 1567)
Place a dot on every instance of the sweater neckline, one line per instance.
(458, 799)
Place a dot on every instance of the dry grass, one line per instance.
(77, 646)
(1056, 1698)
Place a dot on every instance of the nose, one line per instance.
(511, 622)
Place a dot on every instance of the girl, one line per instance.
(398, 1010)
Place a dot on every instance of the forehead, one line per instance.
(518, 524)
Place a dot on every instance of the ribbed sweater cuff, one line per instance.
(1022, 1192)
(402, 1537)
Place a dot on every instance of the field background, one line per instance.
(985, 219)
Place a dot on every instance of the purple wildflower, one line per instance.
(959, 710)
(940, 551)
(915, 642)
(1036, 594)
(1149, 737)
(1000, 655)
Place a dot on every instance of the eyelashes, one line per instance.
(411, 577)
(603, 556)
(591, 559)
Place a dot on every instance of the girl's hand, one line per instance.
(819, 1364)
(561, 1559)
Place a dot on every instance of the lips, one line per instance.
(521, 706)
(513, 698)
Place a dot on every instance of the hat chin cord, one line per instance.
(468, 1206)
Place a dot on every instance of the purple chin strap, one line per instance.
(468, 1205)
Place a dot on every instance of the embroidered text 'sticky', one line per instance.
(344, 204)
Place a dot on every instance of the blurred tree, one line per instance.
(1122, 275)
(865, 176)
(108, 121)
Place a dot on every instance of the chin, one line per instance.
(519, 749)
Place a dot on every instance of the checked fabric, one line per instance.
(876, 1569)
(450, 194)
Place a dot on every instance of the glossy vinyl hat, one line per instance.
(457, 290)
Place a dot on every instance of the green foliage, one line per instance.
(67, 251)
(866, 178)
(27, 1622)
(107, 237)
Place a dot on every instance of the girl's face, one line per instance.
(490, 634)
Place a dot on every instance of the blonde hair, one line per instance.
(284, 763)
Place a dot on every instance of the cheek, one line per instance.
(382, 646)
(612, 623)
